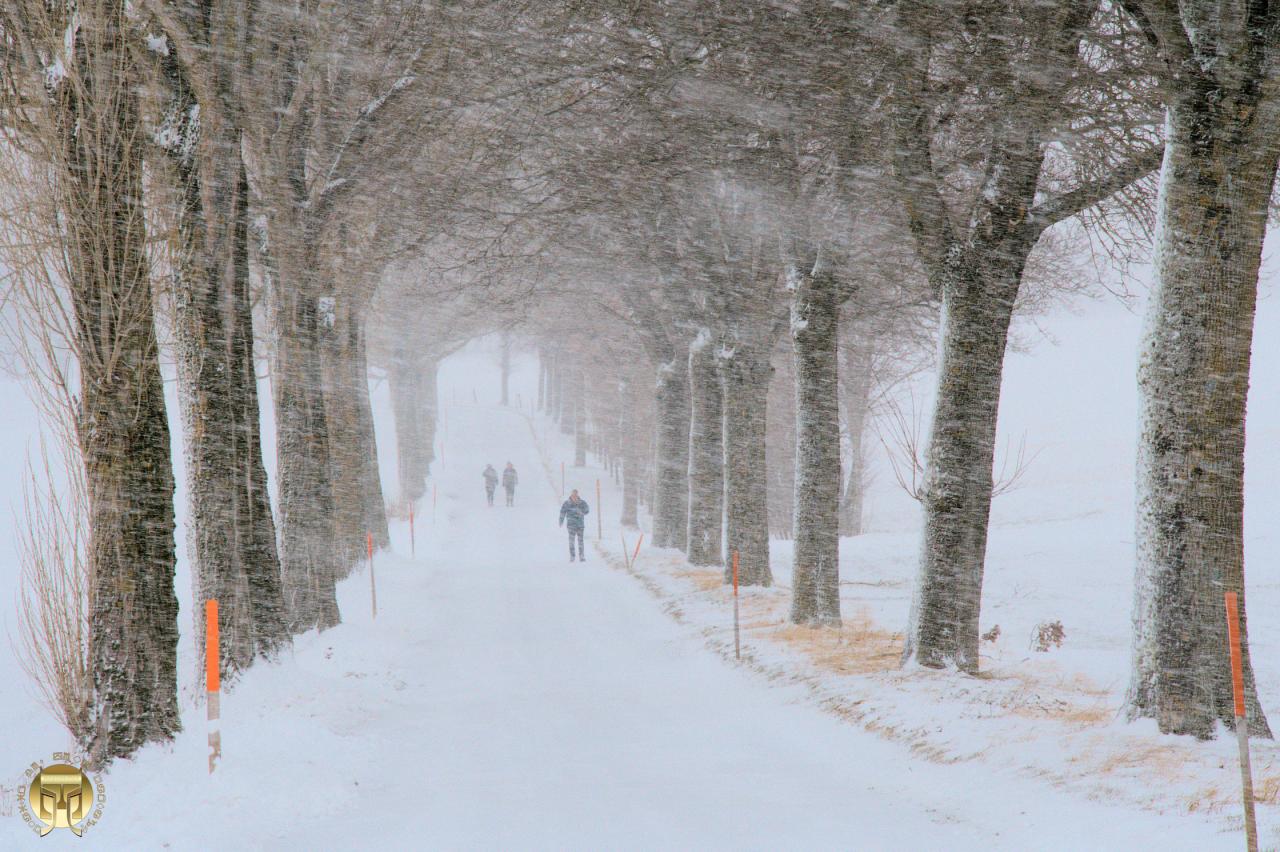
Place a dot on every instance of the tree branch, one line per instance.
(1068, 204)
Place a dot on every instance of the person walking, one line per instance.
(490, 482)
(509, 480)
(572, 514)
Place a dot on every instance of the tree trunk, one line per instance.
(542, 380)
(570, 399)
(429, 407)
(671, 483)
(856, 382)
(505, 365)
(977, 306)
(706, 455)
(631, 453)
(580, 436)
(746, 373)
(308, 550)
(122, 430)
(815, 583)
(374, 504)
(1194, 378)
(412, 461)
(344, 386)
(231, 534)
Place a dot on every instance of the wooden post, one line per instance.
(599, 516)
(737, 643)
(213, 680)
(1242, 722)
(373, 586)
(626, 559)
(412, 548)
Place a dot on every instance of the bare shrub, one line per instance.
(54, 598)
(1047, 634)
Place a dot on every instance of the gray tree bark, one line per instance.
(308, 549)
(231, 535)
(706, 455)
(815, 321)
(580, 434)
(412, 452)
(671, 462)
(746, 372)
(122, 429)
(1193, 374)
(856, 382)
(978, 298)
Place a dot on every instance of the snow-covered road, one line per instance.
(507, 699)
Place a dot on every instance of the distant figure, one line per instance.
(572, 513)
(509, 480)
(490, 482)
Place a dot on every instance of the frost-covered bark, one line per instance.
(855, 381)
(815, 321)
(671, 461)
(1221, 150)
(122, 428)
(412, 462)
(706, 454)
(977, 307)
(746, 372)
(308, 553)
(231, 534)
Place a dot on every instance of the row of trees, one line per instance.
(221, 184)
(664, 199)
(763, 179)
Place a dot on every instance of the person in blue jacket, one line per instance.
(572, 516)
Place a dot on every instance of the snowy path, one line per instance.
(506, 699)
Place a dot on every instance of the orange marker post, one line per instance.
(737, 643)
(412, 549)
(636, 555)
(599, 517)
(213, 680)
(373, 587)
(1242, 723)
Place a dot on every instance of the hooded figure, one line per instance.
(572, 514)
(490, 482)
(509, 480)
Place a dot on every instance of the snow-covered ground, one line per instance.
(505, 698)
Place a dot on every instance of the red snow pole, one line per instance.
(737, 644)
(1242, 724)
(212, 680)
(599, 517)
(373, 587)
(412, 549)
(637, 553)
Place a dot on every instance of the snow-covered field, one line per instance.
(506, 699)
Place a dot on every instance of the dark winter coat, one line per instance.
(572, 514)
(490, 478)
(509, 478)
